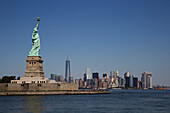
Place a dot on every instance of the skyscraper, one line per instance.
(85, 77)
(121, 82)
(114, 74)
(95, 75)
(67, 70)
(135, 82)
(126, 74)
(146, 80)
(104, 75)
(53, 76)
(107, 75)
(127, 84)
(59, 78)
(130, 80)
(88, 73)
(71, 79)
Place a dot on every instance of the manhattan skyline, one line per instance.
(103, 35)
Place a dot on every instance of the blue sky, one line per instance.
(104, 35)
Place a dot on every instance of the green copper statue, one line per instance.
(35, 41)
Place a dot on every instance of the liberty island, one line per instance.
(34, 82)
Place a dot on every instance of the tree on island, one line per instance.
(18, 78)
(7, 79)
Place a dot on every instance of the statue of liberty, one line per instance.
(35, 41)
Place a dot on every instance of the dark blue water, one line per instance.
(119, 101)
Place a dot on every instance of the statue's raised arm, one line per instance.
(38, 21)
(35, 41)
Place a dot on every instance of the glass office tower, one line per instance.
(67, 71)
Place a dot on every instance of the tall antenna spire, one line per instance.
(67, 57)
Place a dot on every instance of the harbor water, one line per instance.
(118, 101)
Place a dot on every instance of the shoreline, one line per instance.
(15, 93)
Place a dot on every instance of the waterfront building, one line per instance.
(115, 81)
(100, 83)
(149, 81)
(114, 73)
(77, 82)
(67, 71)
(85, 77)
(146, 80)
(111, 80)
(53, 77)
(104, 85)
(143, 80)
(88, 73)
(80, 83)
(111, 74)
(95, 83)
(121, 82)
(139, 84)
(131, 81)
(71, 79)
(135, 82)
(104, 75)
(59, 78)
(95, 75)
(84, 84)
(88, 82)
(126, 74)
(91, 82)
(127, 84)
(107, 75)
(117, 73)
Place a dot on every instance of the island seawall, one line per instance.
(15, 93)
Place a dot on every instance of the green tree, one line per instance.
(18, 78)
(7, 79)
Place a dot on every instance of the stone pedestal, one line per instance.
(34, 67)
